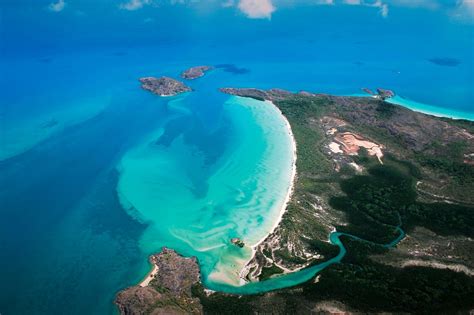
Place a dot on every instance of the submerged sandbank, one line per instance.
(23, 133)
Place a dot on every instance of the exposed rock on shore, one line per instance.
(381, 94)
(164, 86)
(170, 290)
(384, 94)
(237, 242)
(195, 72)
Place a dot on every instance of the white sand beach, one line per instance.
(288, 196)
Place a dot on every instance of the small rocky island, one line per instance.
(164, 86)
(237, 242)
(195, 72)
(381, 94)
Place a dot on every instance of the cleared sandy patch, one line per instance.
(335, 147)
(351, 143)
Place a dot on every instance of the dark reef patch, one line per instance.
(445, 61)
(227, 67)
(50, 123)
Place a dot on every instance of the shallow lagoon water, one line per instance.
(195, 203)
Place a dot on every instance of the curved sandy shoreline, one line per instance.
(154, 269)
(151, 274)
(288, 195)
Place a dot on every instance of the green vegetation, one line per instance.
(309, 136)
(448, 159)
(462, 123)
(320, 246)
(268, 272)
(159, 288)
(223, 303)
(369, 286)
(385, 110)
(375, 203)
(371, 205)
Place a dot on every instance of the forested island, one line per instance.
(164, 86)
(195, 72)
(369, 169)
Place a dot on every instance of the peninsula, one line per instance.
(195, 72)
(164, 86)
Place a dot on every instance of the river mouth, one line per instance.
(298, 277)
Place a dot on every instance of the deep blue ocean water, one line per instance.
(71, 109)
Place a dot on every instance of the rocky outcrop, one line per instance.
(237, 242)
(384, 94)
(381, 94)
(176, 273)
(170, 290)
(164, 86)
(195, 72)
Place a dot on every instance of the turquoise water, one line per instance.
(430, 109)
(425, 108)
(196, 203)
(95, 174)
